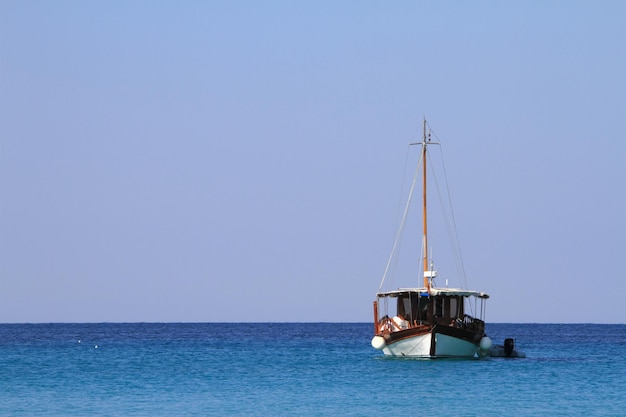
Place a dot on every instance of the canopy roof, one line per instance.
(433, 291)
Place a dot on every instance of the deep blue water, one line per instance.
(310, 369)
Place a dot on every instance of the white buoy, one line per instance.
(485, 345)
(378, 342)
(95, 347)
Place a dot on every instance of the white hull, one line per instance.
(420, 347)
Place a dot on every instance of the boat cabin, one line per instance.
(415, 307)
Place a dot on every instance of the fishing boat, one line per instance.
(429, 321)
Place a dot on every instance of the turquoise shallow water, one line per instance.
(311, 369)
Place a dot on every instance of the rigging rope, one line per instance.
(401, 228)
(450, 221)
(453, 237)
(454, 228)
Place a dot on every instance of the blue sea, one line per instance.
(308, 369)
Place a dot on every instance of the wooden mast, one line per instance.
(425, 224)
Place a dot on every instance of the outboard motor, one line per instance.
(509, 346)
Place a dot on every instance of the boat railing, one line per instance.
(470, 323)
(388, 325)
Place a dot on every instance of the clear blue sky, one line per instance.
(243, 160)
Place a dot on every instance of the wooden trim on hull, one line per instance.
(463, 334)
(393, 337)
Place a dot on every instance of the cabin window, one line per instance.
(416, 308)
(454, 307)
(447, 307)
(404, 306)
(439, 307)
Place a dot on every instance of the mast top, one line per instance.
(426, 137)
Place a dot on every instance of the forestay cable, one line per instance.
(401, 228)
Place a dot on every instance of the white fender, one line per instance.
(378, 342)
(485, 345)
